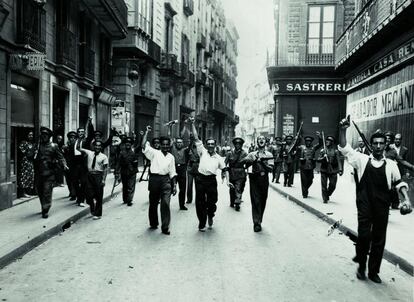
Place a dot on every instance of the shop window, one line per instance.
(31, 24)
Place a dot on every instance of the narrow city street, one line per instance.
(118, 258)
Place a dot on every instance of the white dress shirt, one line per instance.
(101, 161)
(209, 164)
(160, 164)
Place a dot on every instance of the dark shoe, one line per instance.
(232, 205)
(374, 278)
(45, 215)
(284, 185)
(189, 201)
(361, 273)
(210, 222)
(183, 208)
(237, 208)
(202, 229)
(129, 204)
(305, 196)
(278, 182)
(72, 198)
(257, 228)
(165, 232)
(289, 186)
(355, 259)
(153, 227)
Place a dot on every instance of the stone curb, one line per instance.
(38, 240)
(390, 256)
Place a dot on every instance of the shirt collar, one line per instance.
(381, 159)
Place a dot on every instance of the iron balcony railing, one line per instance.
(372, 17)
(169, 63)
(31, 25)
(305, 54)
(86, 62)
(66, 48)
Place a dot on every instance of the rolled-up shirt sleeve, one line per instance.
(200, 147)
(148, 151)
(171, 169)
(354, 158)
(396, 180)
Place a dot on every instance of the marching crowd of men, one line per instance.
(378, 166)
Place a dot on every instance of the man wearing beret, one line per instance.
(307, 163)
(47, 160)
(127, 169)
(331, 166)
(237, 173)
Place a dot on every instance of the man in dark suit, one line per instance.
(401, 151)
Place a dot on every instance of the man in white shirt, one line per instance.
(162, 181)
(97, 164)
(377, 176)
(206, 181)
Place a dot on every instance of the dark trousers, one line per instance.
(259, 186)
(182, 183)
(372, 229)
(289, 174)
(277, 168)
(206, 197)
(237, 192)
(327, 190)
(306, 180)
(69, 177)
(44, 187)
(128, 187)
(94, 193)
(190, 181)
(159, 190)
(79, 182)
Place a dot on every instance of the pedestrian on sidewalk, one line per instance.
(68, 153)
(180, 154)
(126, 170)
(206, 181)
(26, 168)
(162, 181)
(97, 164)
(307, 154)
(377, 177)
(48, 159)
(276, 150)
(60, 173)
(237, 172)
(260, 164)
(331, 166)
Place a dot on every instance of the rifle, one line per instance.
(324, 147)
(367, 145)
(143, 172)
(116, 183)
(296, 138)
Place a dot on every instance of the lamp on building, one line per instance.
(133, 75)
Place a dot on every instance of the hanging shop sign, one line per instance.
(391, 59)
(395, 101)
(27, 61)
(118, 116)
(305, 87)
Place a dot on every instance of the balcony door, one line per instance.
(321, 35)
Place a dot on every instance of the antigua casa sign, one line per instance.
(295, 87)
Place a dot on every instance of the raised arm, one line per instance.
(144, 139)
(343, 126)
(193, 129)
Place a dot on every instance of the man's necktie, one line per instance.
(94, 162)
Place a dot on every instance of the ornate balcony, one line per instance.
(31, 25)
(154, 51)
(66, 48)
(112, 14)
(169, 64)
(374, 16)
(306, 55)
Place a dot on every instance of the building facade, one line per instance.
(55, 66)
(304, 82)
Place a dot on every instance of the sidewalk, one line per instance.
(22, 227)
(400, 244)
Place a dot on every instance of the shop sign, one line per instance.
(393, 58)
(118, 116)
(286, 87)
(288, 124)
(28, 61)
(395, 101)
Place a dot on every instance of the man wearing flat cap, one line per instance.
(276, 150)
(307, 162)
(47, 160)
(237, 173)
(127, 169)
(331, 166)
